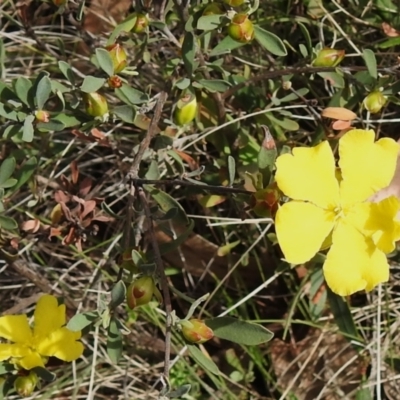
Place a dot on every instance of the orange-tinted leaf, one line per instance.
(339, 113)
(389, 31)
(31, 225)
(88, 207)
(85, 186)
(193, 165)
(74, 172)
(340, 125)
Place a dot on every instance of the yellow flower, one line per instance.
(330, 208)
(48, 338)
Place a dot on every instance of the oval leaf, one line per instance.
(114, 341)
(6, 169)
(105, 61)
(92, 84)
(370, 62)
(81, 321)
(270, 41)
(204, 362)
(118, 294)
(43, 91)
(237, 331)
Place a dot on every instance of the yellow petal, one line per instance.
(8, 350)
(301, 229)
(49, 316)
(62, 344)
(367, 166)
(15, 328)
(32, 360)
(353, 262)
(309, 175)
(378, 221)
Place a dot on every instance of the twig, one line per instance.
(290, 71)
(179, 182)
(151, 132)
(163, 280)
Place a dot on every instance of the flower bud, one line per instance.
(95, 104)
(375, 101)
(42, 116)
(114, 82)
(118, 57)
(196, 331)
(213, 9)
(141, 24)
(328, 57)
(25, 385)
(265, 202)
(241, 28)
(186, 109)
(234, 3)
(140, 292)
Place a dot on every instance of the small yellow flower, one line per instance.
(29, 348)
(330, 208)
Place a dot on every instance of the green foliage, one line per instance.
(256, 95)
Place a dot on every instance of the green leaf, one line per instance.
(28, 130)
(211, 200)
(125, 113)
(114, 341)
(81, 321)
(66, 70)
(226, 45)
(179, 392)
(166, 202)
(182, 83)
(105, 61)
(307, 37)
(132, 95)
(189, 52)
(270, 41)
(342, 315)
(8, 223)
(237, 331)
(52, 126)
(9, 183)
(364, 394)
(209, 22)
(370, 62)
(25, 172)
(44, 374)
(118, 294)
(6, 169)
(125, 26)
(214, 85)
(204, 362)
(43, 91)
(174, 244)
(92, 84)
(392, 42)
(22, 87)
(231, 170)
(5, 368)
(334, 78)
(153, 172)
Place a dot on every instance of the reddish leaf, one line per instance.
(85, 186)
(88, 207)
(74, 172)
(61, 197)
(31, 225)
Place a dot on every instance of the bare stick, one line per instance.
(163, 280)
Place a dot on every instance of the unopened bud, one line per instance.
(241, 28)
(95, 104)
(196, 331)
(142, 22)
(25, 385)
(140, 292)
(42, 116)
(328, 57)
(118, 57)
(114, 82)
(375, 101)
(234, 3)
(265, 202)
(186, 109)
(213, 9)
